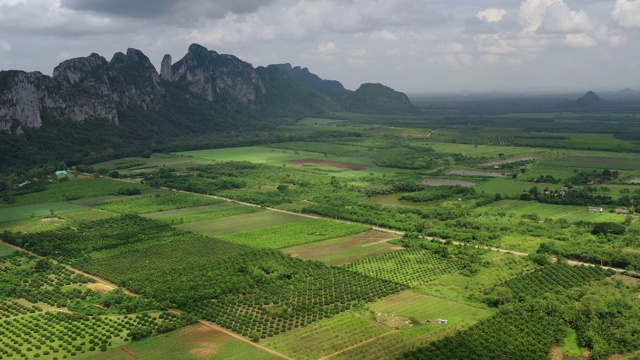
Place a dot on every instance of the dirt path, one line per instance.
(230, 333)
(356, 345)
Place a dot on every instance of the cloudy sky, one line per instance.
(410, 45)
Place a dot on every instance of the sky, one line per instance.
(411, 45)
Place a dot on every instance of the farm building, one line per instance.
(442, 321)
(61, 172)
(595, 209)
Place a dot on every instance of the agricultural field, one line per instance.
(199, 213)
(292, 234)
(239, 223)
(346, 249)
(319, 281)
(410, 267)
(190, 343)
(326, 335)
(159, 203)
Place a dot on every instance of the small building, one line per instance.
(442, 321)
(595, 209)
(61, 172)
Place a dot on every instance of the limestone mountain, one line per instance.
(332, 88)
(378, 99)
(590, 99)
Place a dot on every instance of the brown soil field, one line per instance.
(341, 165)
(101, 288)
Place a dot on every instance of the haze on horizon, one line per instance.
(412, 46)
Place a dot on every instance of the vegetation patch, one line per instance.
(159, 203)
(46, 209)
(346, 249)
(199, 213)
(295, 233)
(410, 267)
(337, 164)
(239, 223)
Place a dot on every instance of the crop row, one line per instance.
(56, 335)
(292, 234)
(159, 203)
(410, 267)
(553, 277)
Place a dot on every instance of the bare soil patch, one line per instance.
(52, 219)
(101, 288)
(627, 280)
(341, 165)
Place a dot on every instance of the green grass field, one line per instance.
(6, 250)
(346, 249)
(154, 163)
(31, 225)
(45, 209)
(519, 207)
(295, 233)
(327, 336)
(255, 154)
(78, 188)
(509, 186)
(421, 308)
(191, 343)
(319, 121)
(105, 199)
(176, 200)
(238, 223)
(199, 213)
(491, 152)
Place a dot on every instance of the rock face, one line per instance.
(165, 68)
(217, 77)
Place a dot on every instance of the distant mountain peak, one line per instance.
(378, 99)
(627, 91)
(331, 88)
(590, 98)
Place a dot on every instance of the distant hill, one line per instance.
(627, 91)
(378, 99)
(332, 88)
(591, 99)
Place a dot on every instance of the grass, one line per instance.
(421, 308)
(32, 225)
(466, 289)
(296, 233)
(155, 163)
(159, 203)
(199, 213)
(255, 154)
(105, 199)
(319, 121)
(6, 250)
(45, 209)
(346, 249)
(570, 345)
(327, 336)
(509, 186)
(531, 207)
(78, 188)
(488, 151)
(190, 343)
(238, 223)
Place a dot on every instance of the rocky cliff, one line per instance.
(91, 87)
(378, 99)
(332, 88)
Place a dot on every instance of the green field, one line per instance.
(345, 249)
(324, 337)
(319, 121)
(190, 343)
(410, 267)
(6, 250)
(255, 154)
(49, 223)
(41, 210)
(412, 305)
(292, 234)
(154, 163)
(78, 188)
(519, 207)
(105, 199)
(199, 213)
(159, 203)
(509, 187)
(238, 223)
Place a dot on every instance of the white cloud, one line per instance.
(492, 14)
(383, 35)
(326, 48)
(627, 13)
(560, 19)
(580, 40)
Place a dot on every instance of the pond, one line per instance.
(447, 182)
(475, 173)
